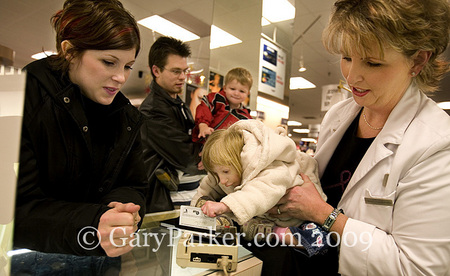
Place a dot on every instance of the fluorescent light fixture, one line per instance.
(444, 105)
(300, 83)
(264, 21)
(278, 10)
(309, 140)
(166, 27)
(17, 252)
(300, 130)
(220, 38)
(43, 54)
(271, 107)
(196, 72)
(294, 123)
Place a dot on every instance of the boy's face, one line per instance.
(236, 93)
(228, 176)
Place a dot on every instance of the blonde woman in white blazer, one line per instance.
(392, 215)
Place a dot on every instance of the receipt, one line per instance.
(194, 217)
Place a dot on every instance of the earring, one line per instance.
(413, 74)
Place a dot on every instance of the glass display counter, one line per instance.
(155, 254)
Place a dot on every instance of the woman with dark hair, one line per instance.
(81, 171)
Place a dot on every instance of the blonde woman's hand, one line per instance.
(303, 202)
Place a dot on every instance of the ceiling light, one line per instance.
(43, 54)
(220, 38)
(166, 27)
(309, 140)
(264, 21)
(278, 10)
(17, 252)
(444, 105)
(302, 67)
(300, 130)
(294, 123)
(300, 83)
(264, 104)
(196, 71)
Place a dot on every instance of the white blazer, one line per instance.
(399, 196)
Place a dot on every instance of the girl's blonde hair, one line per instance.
(407, 26)
(223, 148)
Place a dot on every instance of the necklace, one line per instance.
(365, 120)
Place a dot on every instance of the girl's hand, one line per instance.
(213, 209)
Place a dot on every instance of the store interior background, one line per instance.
(25, 28)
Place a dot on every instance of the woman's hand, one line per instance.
(303, 202)
(213, 209)
(116, 227)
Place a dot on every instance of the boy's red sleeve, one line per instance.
(203, 113)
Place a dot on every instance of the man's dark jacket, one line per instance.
(59, 190)
(166, 135)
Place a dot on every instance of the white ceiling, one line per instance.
(25, 28)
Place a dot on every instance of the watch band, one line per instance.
(331, 219)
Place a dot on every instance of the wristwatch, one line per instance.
(331, 219)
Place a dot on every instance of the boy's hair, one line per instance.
(163, 47)
(223, 147)
(242, 75)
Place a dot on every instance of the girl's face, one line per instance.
(376, 83)
(101, 73)
(228, 176)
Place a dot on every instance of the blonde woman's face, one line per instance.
(228, 176)
(377, 83)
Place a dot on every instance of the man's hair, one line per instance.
(241, 75)
(163, 47)
(223, 147)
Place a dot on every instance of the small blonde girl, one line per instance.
(250, 166)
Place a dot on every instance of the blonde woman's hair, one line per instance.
(242, 76)
(407, 26)
(223, 148)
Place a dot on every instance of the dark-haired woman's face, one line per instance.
(102, 73)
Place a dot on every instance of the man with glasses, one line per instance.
(171, 158)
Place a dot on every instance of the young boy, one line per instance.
(224, 108)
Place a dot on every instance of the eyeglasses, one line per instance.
(177, 72)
